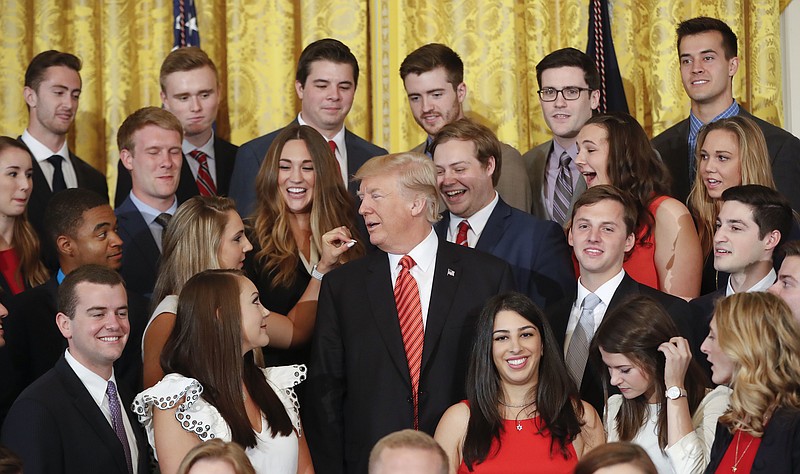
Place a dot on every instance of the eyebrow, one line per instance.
(735, 221)
(101, 225)
(529, 326)
(105, 308)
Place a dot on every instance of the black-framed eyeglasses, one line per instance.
(549, 94)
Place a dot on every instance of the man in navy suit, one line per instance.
(52, 92)
(707, 52)
(190, 90)
(75, 418)
(468, 161)
(367, 376)
(149, 143)
(326, 80)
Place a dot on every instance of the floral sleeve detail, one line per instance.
(283, 380)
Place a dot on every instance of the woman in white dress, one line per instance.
(213, 388)
(661, 406)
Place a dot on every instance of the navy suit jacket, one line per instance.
(359, 388)
(592, 383)
(140, 253)
(536, 249)
(57, 428)
(784, 150)
(224, 157)
(252, 153)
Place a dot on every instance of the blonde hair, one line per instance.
(409, 439)
(416, 175)
(754, 162)
(760, 335)
(229, 452)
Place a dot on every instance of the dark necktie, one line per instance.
(117, 423)
(409, 312)
(563, 191)
(58, 174)
(163, 219)
(205, 184)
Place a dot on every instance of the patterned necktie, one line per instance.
(205, 184)
(116, 422)
(163, 219)
(578, 350)
(461, 237)
(409, 312)
(563, 192)
(59, 184)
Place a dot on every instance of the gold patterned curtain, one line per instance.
(256, 45)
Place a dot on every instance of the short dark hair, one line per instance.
(64, 212)
(185, 59)
(142, 118)
(327, 49)
(486, 143)
(602, 192)
(10, 463)
(771, 209)
(570, 57)
(97, 274)
(791, 249)
(702, 24)
(34, 75)
(613, 454)
(431, 56)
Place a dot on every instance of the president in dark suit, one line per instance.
(603, 230)
(468, 160)
(190, 90)
(707, 51)
(393, 328)
(326, 80)
(75, 418)
(149, 143)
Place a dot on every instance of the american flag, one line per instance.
(186, 32)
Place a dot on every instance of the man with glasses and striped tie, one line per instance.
(568, 93)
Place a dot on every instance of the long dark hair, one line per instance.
(206, 345)
(557, 397)
(635, 329)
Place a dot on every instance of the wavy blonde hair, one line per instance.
(754, 162)
(760, 335)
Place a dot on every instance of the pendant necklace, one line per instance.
(736, 458)
(522, 409)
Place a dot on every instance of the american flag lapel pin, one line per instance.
(451, 273)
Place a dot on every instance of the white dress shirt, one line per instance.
(477, 222)
(194, 165)
(761, 285)
(605, 293)
(424, 255)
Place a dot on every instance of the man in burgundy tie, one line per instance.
(393, 328)
(75, 418)
(468, 160)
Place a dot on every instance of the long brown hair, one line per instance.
(206, 344)
(24, 239)
(332, 206)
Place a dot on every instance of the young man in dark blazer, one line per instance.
(707, 52)
(468, 161)
(190, 89)
(367, 376)
(75, 418)
(326, 80)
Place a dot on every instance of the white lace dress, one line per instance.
(270, 455)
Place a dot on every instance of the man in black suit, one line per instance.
(84, 229)
(75, 418)
(52, 91)
(602, 232)
(190, 90)
(468, 161)
(149, 143)
(367, 376)
(326, 80)
(707, 52)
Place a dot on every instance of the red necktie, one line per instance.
(332, 144)
(461, 237)
(409, 312)
(204, 182)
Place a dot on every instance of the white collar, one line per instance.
(39, 151)
(761, 285)
(338, 138)
(95, 384)
(605, 292)
(424, 254)
(207, 148)
(478, 221)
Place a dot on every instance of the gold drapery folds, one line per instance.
(255, 45)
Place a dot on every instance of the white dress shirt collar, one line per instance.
(477, 222)
(761, 285)
(39, 151)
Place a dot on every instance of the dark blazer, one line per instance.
(779, 452)
(252, 153)
(224, 157)
(536, 249)
(56, 427)
(35, 344)
(592, 383)
(359, 388)
(784, 150)
(140, 253)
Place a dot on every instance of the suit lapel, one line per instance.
(446, 276)
(138, 233)
(441, 226)
(627, 287)
(495, 227)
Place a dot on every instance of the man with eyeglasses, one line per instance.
(568, 93)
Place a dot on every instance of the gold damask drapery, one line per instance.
(256, 44)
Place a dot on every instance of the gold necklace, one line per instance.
(736, 458)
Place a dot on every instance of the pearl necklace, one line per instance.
(522, 408)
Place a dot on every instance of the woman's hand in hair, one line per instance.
(678, 357)
(334, 244)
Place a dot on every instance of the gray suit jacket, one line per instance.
(536, 165)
